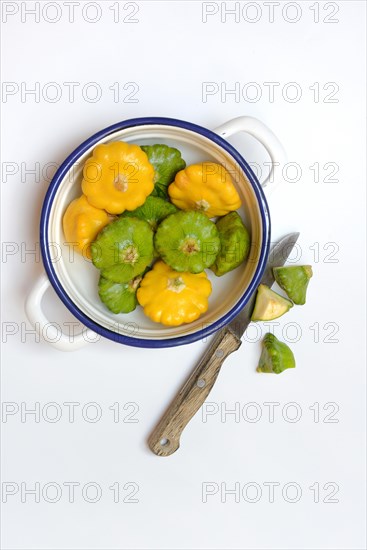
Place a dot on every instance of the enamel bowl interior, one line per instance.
(79, 278)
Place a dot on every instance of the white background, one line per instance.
(169, 53)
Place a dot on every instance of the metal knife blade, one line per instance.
(277, 257)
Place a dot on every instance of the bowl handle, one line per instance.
(51, 332)
(262, 133)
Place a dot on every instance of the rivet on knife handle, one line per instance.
(165, 438)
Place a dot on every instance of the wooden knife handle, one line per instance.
(165, 438)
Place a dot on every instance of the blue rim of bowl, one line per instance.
(46, 252)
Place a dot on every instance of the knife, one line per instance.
(165, 438)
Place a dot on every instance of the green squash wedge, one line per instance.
(294, 281)
(269, 305)
(276, 356)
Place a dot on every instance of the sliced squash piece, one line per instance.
(294, 281)
(276, 356)
(269, 305)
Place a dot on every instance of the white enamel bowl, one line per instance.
(75, 279)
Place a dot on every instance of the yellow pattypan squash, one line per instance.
(82, 222)
(206, 187)
(173, 298)
(117, 177)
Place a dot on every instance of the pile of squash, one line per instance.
(153, 225)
